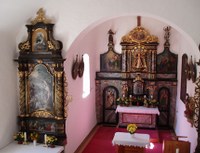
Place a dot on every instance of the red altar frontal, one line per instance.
(142, 116)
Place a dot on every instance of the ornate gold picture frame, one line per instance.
(39, 40)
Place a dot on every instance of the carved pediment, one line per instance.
(139, 35)
(40, 37)
(40, 17)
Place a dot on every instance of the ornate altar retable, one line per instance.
(128, 143)
(142, 116)
(139, 72)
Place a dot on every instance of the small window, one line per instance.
(86, 76)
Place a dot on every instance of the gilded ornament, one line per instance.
(139, 35)
(40, 17)
(50, 45)
(44, 114)
(39, 61)
(197, 102)
(24, 46)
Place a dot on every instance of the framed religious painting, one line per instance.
(42, 82)
(111, 61)
(39, 40)
(40, 89)
(138, 85)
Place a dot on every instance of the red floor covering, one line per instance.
(102, 140)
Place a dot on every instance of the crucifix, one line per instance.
(138, 21)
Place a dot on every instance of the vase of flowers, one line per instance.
(51, 140)
(153, 103)
(19, 137)
(34, 137)
(123, 101)
(131, 128)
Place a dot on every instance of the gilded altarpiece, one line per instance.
(42, 82)
(137, 76)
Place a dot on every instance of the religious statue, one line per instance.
(139, 60)
(125, 89)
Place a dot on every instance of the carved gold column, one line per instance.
(197, 112)
(99, 102)
(58, 95)
(67, 98)
(22, 107)
(124, 62)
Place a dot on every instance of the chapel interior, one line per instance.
(70, 67)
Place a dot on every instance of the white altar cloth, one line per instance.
(30, 148)
(127, 139)
(137, 109)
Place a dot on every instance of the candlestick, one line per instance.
(45, 139)
(25, 137)
(177, 150)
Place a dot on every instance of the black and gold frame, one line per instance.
(43, 87)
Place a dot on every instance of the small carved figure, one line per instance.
(124, 89)
(110, 99)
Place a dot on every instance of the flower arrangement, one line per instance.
(51, 140)
(123, 101)
(19, 137)
(131, 128)
(153, 102)
(34, 136)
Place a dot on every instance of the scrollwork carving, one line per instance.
(40, 17)
(197, 112)
(67, 98)
(197, 102)
(139, 35)
(43, 114)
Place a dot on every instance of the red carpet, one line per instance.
(102, 140)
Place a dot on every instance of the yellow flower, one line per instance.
(51, 139)
(131, 128)
(34, 136)
(19, 136)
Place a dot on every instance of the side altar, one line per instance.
(139, 73)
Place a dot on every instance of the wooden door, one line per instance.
(110, 95)
(164, 106)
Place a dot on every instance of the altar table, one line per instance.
(129, 143)
(30, 148)
(144, 117)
